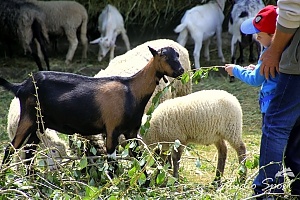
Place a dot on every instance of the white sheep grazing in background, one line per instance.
(66, 18)
(110, 25)
(242, 10)
(58, 147)
(133, 61)
(202, 22)
(204, 117)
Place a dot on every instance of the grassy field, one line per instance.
(198, 163)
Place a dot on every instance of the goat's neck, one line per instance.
(145, 81)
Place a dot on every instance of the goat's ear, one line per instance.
(153, 51)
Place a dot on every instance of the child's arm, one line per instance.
(251, 77)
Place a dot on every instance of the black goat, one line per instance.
(24, 21)
(72, 103)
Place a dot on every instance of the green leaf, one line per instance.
(93, 151)
(90, 191)
(185, 77)
(160, 177)
(42, 163)
(78, 143)
(197, 163)
(132, 171)
(142, 179)
(83, 162)
(125, 153)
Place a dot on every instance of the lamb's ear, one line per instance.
(153, 51)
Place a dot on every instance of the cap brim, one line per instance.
(247, 27)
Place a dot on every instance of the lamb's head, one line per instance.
(57, 148)
(105, 44)
(167, 62)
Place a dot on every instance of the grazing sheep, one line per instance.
(25, 22)
(204, 117)
(202, 22)
(110, 25)
(50, 138)
(242, 10)
(135, 59)
(110, 105)
(66, 18)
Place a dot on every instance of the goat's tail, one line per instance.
(14, 88)
(183, 33)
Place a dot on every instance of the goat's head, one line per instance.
(167, 61)
(105, 44)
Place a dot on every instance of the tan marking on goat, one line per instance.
(24, 124)
(111, 101)
(146, 82)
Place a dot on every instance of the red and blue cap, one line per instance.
(264, 21)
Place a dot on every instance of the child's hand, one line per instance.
(229, 68)
(250, 67)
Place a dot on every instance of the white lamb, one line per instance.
(242, 10)
(204, 117)
(134, 60)
(58, 147)
(66, 18)
(202, 22)
(110, 25)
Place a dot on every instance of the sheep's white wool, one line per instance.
(204, 117)
(65, 18)
(201, 117)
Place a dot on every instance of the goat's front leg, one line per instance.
(111, 144)
(135, 152)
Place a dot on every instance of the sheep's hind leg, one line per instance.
(73, 43)
(240, 148)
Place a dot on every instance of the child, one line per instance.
(263, 25)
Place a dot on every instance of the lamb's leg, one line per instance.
(251, 55)
(112, 53)
(176, 155)
(206, 49)
(84, 42)
(197, 49)
(233, 48)
(240, 148)
(222, 155)
(73, 43)
(240, 59)
(219, 44)
(125, 39)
